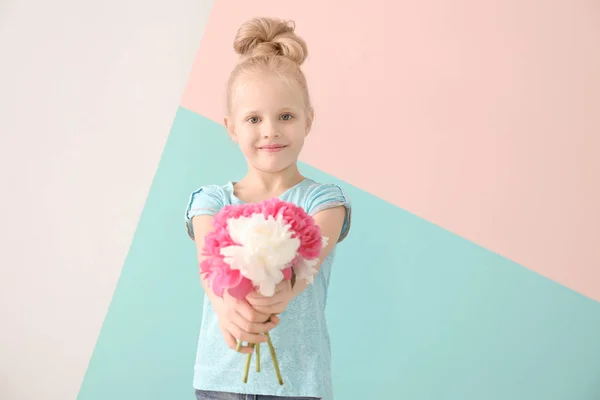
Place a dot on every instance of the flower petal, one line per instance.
(241, 290)
(267, 288)
(306, 270)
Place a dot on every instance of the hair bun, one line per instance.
(267, 37)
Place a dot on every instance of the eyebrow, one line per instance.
(246, 112)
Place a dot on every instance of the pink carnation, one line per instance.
(302, 224)
(219, 273)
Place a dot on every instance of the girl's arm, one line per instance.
(202, 226)
(237, 319)
(330, 221)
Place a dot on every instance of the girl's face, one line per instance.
(269, 122)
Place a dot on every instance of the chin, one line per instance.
(272, 168)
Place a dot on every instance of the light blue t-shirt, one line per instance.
(301, 339)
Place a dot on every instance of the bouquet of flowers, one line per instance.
(255, 246)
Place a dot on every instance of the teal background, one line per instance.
(415, 311)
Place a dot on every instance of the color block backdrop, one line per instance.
(438, 317)
(466, 134)
(479, 116)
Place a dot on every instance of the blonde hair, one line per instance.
(268, 45)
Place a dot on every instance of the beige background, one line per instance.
(88, 91)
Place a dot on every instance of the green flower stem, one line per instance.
(257, 357)
(275, 362)
(247, 369)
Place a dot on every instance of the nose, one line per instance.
(270, 131)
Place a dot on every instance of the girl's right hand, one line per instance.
(240, 321)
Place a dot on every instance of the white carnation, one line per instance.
(306, 269)
(264, 248)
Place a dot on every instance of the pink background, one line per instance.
(481, 117)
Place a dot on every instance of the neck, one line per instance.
(270, 182)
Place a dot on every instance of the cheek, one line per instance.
(246, 138)
(247, 147)
(297, 134)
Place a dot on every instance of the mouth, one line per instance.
(272, 148)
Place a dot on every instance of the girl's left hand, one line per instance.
(275, 304)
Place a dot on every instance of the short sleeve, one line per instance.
(207, 200)
(329, 196)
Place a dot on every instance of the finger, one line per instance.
(254, 327)
(232, 343)
(283, 286)
(245, 349)
(245, 336)
(263, 309)
(255, 296)
(258, 299)
(249, 313)
(271, 309)
(243, 307)
(261, 300)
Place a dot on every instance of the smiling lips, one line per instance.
(272, 148)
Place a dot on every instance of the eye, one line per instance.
(287, 117)
(253, 120)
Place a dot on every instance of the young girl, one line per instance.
(269, 115)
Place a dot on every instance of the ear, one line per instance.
(230, 130)
(309, 121)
